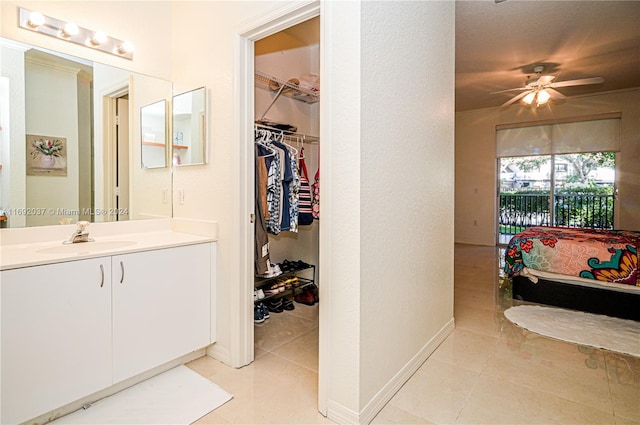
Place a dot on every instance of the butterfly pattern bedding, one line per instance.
(602, 255)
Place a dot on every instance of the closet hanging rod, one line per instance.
(305, 137)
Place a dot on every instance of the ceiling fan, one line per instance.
(539, 89)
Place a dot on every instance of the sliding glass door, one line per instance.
(567, 190)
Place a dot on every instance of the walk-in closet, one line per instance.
(287, 211)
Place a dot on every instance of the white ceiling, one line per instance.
(497, 45)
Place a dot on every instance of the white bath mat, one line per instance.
(177, 396)
(595, 330)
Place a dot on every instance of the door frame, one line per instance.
(242, 327)
(109, 140)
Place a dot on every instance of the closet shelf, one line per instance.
(290, 89)
(262, 282)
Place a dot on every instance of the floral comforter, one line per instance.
(604, 255)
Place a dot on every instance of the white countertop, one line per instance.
(108, 241)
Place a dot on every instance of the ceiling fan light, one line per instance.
(528, 99)
(543, 97)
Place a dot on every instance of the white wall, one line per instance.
(406, 198)
(476, 179)
(145, 23)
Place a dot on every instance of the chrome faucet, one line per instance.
(80, 234)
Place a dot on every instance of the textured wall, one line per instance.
(407, 150)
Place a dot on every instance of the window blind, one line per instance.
(595, 135)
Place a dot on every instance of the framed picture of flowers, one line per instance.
(46, 155)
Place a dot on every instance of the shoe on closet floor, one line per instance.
(287, 304)
(275, 306)
(305, 297)
(258, 315)
(265, 310)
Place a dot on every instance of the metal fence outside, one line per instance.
(519, 211)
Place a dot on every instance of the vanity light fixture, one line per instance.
(69, 31)
(98, 38)
(35, 19)
(125, 47)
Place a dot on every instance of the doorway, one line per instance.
(116, 148)
(242, 343)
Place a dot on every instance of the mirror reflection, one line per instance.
(153, 123)
(188, 125)
(91, 115)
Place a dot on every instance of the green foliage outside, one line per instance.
(586, 206)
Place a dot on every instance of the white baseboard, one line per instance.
(342, 415)
(218, 352)
(387, 392)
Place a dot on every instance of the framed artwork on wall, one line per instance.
(46, 155)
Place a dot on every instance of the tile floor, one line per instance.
(488, 371)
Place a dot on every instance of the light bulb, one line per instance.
(126, 47)
(70, 29)
(529, 98)
(543, 97)
(98, 38)
(35, 19)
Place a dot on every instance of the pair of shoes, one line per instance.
(273, 290)
(314, 290)
(287, 304)
(286, 266)
(258, 294)
(291, 282)
(290, 266)
(260, 313)
(305, 297)
(275, 306)
(273, 271)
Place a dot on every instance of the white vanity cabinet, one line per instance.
(79, 328)
(161, 307)
(56, 335)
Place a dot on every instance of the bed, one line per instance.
(583, 269)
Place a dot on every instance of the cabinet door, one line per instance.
(56, 336)
(161, 307)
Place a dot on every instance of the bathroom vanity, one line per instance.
(81, 319)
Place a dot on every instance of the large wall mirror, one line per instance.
(71, 140)
(189, 127)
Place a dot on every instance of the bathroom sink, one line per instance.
(85, 247)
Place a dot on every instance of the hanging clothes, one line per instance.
(261, 257)
(305, 216)
(315, 202)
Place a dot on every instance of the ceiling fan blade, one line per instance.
(515, 98)
(545, 79)
(581, 82)
(555, 94)
(504, 91)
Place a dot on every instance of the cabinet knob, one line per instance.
(122, 269)
(102, 275)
